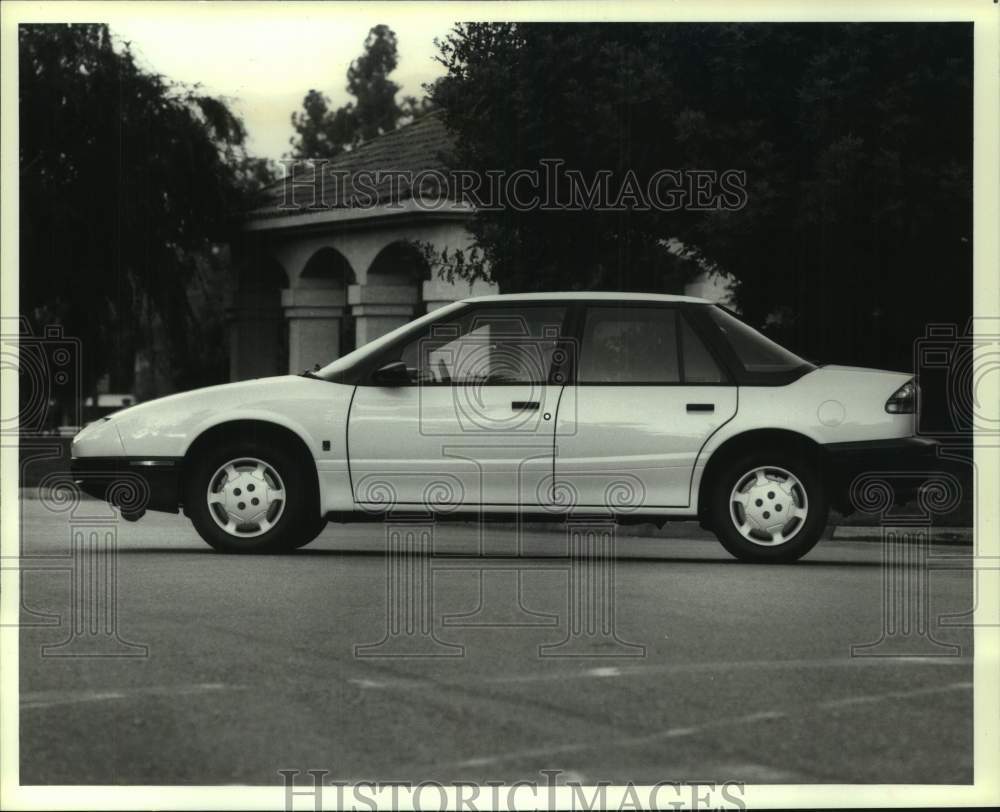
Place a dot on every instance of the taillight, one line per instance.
(903, 400)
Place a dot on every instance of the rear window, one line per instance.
(642, 345)
(635, 345)
(755, 351)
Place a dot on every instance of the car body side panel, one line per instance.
(828, 405)
(315, 410)
(452, 445)
(832, 404)
(635, 446)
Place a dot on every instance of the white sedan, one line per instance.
(624, 407)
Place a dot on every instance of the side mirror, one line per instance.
(392, 374)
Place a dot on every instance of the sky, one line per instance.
(265, 68)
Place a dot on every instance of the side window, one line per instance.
(629, 345)
(484, 345)
(699, 365)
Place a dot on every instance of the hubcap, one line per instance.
(246, 497)
(768, 506)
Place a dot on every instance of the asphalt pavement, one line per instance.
(461, 656)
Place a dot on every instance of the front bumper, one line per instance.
(134, 484)
(904, 464)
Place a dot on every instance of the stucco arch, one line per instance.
(326, 268)
(400, 262)
(345, 286)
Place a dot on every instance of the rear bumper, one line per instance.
(904, 463)
(134, 484)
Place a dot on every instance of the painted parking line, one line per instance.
(631, 741)
(605, 672)
(48, 699)
(693, 730)
(866, 699)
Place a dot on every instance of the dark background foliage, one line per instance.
(324, 133)
(127, 184)
(856, 140)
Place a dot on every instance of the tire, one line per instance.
(223, 484)
(769, 507)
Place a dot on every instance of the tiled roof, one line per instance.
(422, 145)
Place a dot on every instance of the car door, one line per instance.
(474, 424)
(647, 394)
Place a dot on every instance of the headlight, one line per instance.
(903, 400)
(98, 439)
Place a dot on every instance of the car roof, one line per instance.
(586, 296)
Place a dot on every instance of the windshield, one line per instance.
(755, 351)
(362, 352)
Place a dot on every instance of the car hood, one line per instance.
(314, 409)
(215, 395)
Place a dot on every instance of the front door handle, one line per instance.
(701, 407)
(525, 405)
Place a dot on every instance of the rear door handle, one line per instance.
(701, 407)
(525, 405)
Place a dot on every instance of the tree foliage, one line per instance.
(322, 133)
(368, 81)
(855, 139)
(325, 133)
(126, 179)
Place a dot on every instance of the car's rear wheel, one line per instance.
(769, 507)
(251, 498)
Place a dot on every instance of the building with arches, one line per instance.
(324, 265)
(328, 260)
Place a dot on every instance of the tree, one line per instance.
(310, 125)
(856, 230)
(126, 179)
(322, 133)
(253, 174)
(413, 108)
(368, 81)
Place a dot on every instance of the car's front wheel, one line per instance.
(769, 507)
(250, 498)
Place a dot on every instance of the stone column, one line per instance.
(439, 292)
(313, 316)
(378, 309)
